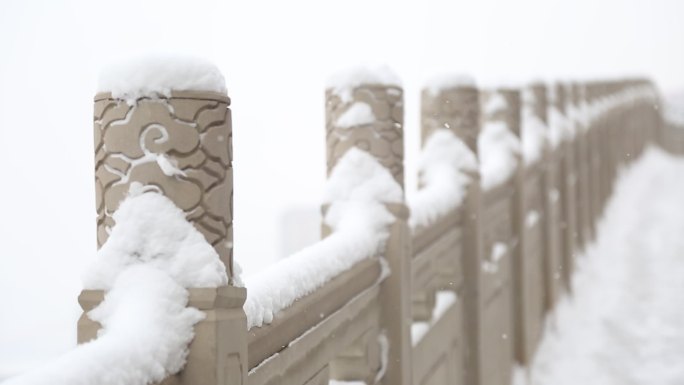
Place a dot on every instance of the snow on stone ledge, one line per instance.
(152, 255)
(442, 166)
(151, 230)
(355, 190)
(146, 329)
(343, 82)
(156, 76)
(438, 83)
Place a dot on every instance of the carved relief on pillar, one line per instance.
(180, 146)
(456, 109)
(372, 119)
(540, 101)
(504, 106)
(561, 97)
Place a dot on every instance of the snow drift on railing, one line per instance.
(357, 188)
(442, 166)
(151, 256)
(498, 147)
(146, 330)
(156, 75)
(533, 130)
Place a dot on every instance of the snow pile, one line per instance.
(146, 328)
(343, 83)
(151, 230)
(623, 324)
(442, 166)
(151, 256)
(499, 250)
(357, 114)
(498, 147)
(158, 75)
(443, 301)
(533, 130)
(441, 82)
(357, 188)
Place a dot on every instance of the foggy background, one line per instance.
(275, 57)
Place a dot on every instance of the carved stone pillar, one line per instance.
(510, 114)
(456, 109)
(179, 146)
(371, 118)
(561, 99)
(381, 134)
(540, 102)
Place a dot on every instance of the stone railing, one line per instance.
(480, 279)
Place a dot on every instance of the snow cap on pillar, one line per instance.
(163, 122)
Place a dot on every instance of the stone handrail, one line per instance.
(505, 252)
(459, 298)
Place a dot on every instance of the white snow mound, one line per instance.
(146, 329)
(357, 114)
(499, 151)
(157, 75)
(443, 166)
(151, 230)
(356, 190)
(359, 177)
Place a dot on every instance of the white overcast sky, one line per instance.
(275, 56)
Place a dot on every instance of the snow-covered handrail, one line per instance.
(163, 274)
(519, 230)
(512, 182)
(449, 147)
(364, 215)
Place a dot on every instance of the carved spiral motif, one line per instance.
(180, 146)
(382, 137)
(457, 109)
